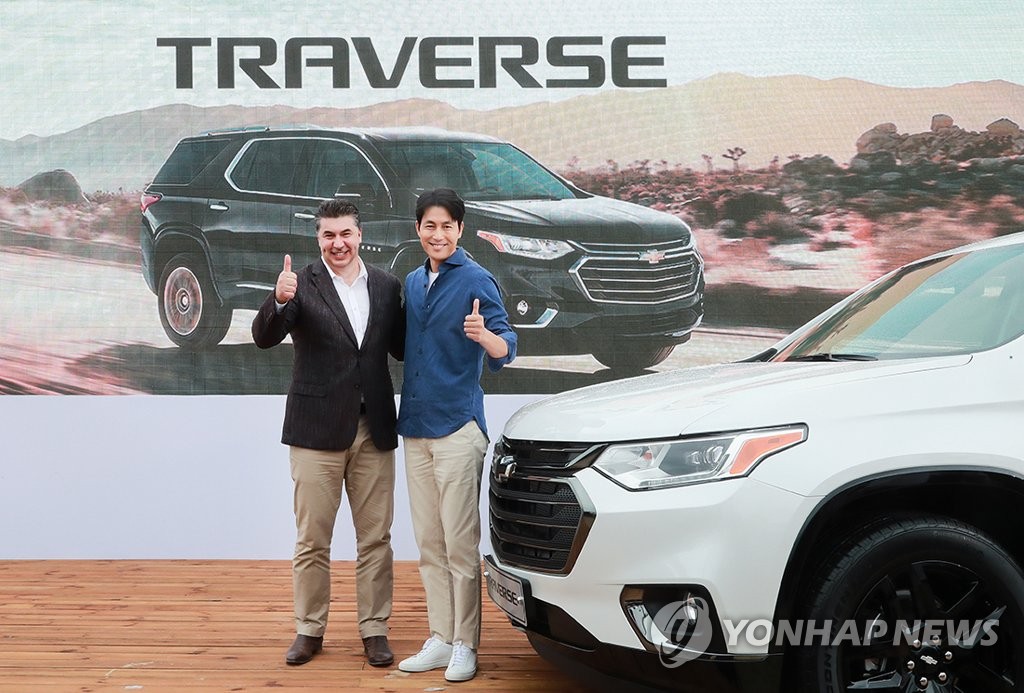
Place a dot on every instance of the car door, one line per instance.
(339, 169)
(251, 226)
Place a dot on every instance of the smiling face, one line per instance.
(339, 239)
(439, 235)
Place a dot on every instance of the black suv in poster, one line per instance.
(580, 273)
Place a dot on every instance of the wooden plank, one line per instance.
(209, 626)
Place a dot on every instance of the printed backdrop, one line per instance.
(810, 147)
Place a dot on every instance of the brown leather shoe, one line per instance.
(378, 652)
(303, 649)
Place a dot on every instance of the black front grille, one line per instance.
(636, 280)
(537, 519)
(534, 455)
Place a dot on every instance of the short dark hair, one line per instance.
(332, 209)
(441, 197)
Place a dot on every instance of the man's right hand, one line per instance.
(287, 282)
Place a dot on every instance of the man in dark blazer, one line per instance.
(344, 318)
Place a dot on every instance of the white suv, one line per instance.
(838, 513)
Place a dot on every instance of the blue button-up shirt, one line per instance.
(441, 389)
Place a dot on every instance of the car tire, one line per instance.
(631, 358)
(922, 573)
(189, 309)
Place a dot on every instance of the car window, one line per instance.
(272, 166)
(188, 159)
(477, 170)
(337, 165)
(956, 304)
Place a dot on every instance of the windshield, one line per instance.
(957, 304)
(476, 170)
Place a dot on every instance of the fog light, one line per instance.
(530, 312)
(669, 626)
(680, 619)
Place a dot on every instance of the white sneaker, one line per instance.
(434, 654)
(463, 664)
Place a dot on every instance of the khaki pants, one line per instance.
(368, 476)
(444, 494)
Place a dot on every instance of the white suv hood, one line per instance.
(726, 397)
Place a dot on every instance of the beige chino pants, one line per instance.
(444, 494)
(368, 477)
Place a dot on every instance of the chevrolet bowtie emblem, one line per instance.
(504, 468)
(652, 256)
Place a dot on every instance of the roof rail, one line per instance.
(300, 126)
(246, 128)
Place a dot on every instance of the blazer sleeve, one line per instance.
(270, 327)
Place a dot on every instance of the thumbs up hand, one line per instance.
(474, 324)
(495, 346)
(287, 282)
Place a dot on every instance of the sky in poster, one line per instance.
(64, 63)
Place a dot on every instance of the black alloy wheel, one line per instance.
(925, 605)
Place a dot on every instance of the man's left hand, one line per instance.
(495, 346)
(474, 325)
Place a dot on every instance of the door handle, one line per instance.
(305, 216)
(218, 206)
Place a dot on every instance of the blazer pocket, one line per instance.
(309, 389)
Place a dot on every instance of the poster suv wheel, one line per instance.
(189, 309)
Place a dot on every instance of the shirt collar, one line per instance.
(363, 274)
(457, 258)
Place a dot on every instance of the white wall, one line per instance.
(166, 477)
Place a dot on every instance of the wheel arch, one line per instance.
(980, 496)
(405, 259)
(172, 242)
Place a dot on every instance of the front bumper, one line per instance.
(728, 540)
(550, 322)
(620, 669)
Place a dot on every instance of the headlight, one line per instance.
(539, 248)
(659, 464)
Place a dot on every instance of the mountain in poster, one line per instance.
(766, 116)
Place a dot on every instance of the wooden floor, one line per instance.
(198, 626)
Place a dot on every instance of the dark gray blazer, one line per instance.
(331, 374)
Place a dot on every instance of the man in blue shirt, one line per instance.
(455, 320)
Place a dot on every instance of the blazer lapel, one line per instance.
(325, 285)
(374, 285)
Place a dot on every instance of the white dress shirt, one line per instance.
(355, 297)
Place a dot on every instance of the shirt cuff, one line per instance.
(494, 365)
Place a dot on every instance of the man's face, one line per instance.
(339, 240)
(439, 235)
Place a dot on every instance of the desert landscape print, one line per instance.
(799, 190)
